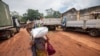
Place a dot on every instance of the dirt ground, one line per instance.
(65, 44)
(17, 45)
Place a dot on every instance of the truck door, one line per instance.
(63, 22)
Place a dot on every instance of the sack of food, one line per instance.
(39, 32)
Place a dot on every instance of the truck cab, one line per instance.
(63, 22)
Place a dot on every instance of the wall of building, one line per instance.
(86, 13)
(83, 14)
(70, 15)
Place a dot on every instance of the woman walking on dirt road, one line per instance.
(38, 41)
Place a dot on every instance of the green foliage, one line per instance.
(32, 15)
(24, 18)
(56, 14)
(16, 14)
(52, 13)
(49, 13)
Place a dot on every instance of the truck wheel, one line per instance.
(17, 30)
(7, 34)
(54, 28)
(12, 33)
(94, 33)
(64, 29)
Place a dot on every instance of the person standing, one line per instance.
(38, 45)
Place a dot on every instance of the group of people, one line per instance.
(38, 44)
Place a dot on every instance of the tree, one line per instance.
(16, 14)
(56, 14)
(52, 13)
(49, 13)
(33, 14)
(24, 17)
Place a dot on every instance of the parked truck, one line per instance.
(8, 26)
(92, 26)
(51, 23)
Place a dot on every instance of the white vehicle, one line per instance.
(91, 26)
(51, 23)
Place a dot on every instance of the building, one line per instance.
(83, 14)
(89, 13)
(70, 14)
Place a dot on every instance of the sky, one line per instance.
(21, 6)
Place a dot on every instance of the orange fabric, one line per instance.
(41, 53)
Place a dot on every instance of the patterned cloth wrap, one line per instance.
(40, 46)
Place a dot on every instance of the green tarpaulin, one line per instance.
(5, 19)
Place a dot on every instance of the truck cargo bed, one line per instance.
(6, 27)
(5, 18)
(52, 21)
(84, 23)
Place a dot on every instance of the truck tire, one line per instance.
(7, 34)
(12, 33)
(94, 33)
(17, 30)
(64, 29)
(53, 28)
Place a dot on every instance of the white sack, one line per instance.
(39, 32)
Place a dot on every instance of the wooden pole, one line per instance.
(78, 15)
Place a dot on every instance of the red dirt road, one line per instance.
(65, 43)
(74, 44)
(17, 45)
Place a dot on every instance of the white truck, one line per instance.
(91, 26)
(51, 23)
